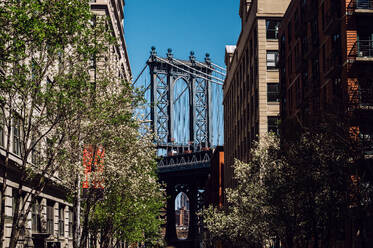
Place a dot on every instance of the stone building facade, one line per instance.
(251, 91)
(50, 221)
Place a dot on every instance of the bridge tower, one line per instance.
(184, 97)
(165, 94)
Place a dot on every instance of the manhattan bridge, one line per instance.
(184, 109)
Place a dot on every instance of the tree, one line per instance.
(129, 208)
(128, 175)
(61, 91)
(244, 222)
(44, 56)
(297, 195)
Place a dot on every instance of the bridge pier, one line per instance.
(193, 234)
(171, 219)
(193, 225)
(186, 173)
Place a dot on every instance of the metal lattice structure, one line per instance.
(184, 111)
(182, 118)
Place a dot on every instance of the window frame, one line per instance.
(71, 220)
(275, 30)
(275, 61)
(50, 217)
(36, 216)
(17, 136)
(271, 126)
(273, 96)
(2, 142)
(61, 221)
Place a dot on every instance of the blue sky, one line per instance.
(198, 25)
(202, 26)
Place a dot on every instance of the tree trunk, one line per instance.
(14, 235)
(76, 208)
(84, 236)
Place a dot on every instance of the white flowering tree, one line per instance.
(127, 207)
(294, 195)
(61, 91)
(43, 79)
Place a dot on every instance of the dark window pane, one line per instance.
(61, 221)
(272, 29)
(36, 211)
(17, 136)
(273, 93)
(50, 224)
(273, 124)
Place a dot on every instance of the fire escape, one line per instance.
(360, 64)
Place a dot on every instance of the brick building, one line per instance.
(311, 58)
(251, 95)
(215, 184)
(326, 62)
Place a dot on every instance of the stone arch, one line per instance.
(182, 215)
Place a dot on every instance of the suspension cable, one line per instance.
(198, 70)
(199, 76)
(216, 71)
(180, 94)
(221, 68)
(134, 82)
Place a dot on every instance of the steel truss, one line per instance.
(164, 72)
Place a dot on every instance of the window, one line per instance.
(36, 210)
(17, 136)
(49, 148)
(273, 92)
(1, 128)
(50, 213)
(61, 221)
(15, 197)
(272, 59)
(366, 92)
(92, 61)
(272, 28)
(273, 124)
(71, 217)
(35, 157)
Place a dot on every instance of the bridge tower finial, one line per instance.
(153, 53)
(192, 58)
(208, 59)
(169, 54)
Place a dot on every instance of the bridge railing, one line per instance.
(185, 159)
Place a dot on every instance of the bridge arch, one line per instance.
(181, 111)
(182, 215)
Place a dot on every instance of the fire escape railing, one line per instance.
(361, 4)
(362, 48)
(361, 99)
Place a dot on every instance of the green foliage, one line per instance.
(57, 76)
(292, 194)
